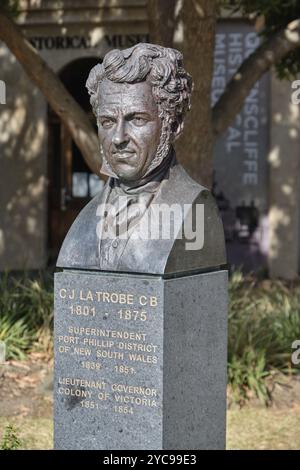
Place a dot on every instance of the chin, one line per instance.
(128, 178)
(127, 174)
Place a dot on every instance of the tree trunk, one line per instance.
(194, 147)
(161, 15)
(198, 17)
(62, 103)
(269, 53)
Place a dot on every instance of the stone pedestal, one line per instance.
(140, 361)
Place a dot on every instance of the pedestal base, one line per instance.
(140, 361)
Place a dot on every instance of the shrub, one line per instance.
(264, 320)
(10, 439)
(26, 314)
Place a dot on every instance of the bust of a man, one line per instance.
(151, 217)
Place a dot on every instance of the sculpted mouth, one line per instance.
(123, 155)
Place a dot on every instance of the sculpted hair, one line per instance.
(171, 84)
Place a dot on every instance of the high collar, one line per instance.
(150, 182)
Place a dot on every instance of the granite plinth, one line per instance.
(140, 361)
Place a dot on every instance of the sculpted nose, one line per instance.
(120, 137)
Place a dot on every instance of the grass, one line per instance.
(248, 428)
(32, 433)
(263, 429)
(26, 314)
(10, 440)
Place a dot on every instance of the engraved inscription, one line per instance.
(106, 335)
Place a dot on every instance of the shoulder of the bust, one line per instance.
(179, 175)
(81, 235)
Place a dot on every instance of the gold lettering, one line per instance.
(72, 295)
(99, 384)
(87, 296)
(143, 358)
(68, 339)
(63, 293)
(110, 354)
(143, 300)
(63, 349)
(103, 395)
(81, 331)
(82, 351)
(132, 389)
(75, 392)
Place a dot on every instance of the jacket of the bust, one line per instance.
(80, 248)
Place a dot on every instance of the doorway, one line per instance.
(71, 182)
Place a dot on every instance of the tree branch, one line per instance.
(267, 54)
(60, 100)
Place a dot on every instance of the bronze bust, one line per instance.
(136, 224)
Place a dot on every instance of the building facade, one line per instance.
(45, 181)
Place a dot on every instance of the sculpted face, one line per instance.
(129, 127)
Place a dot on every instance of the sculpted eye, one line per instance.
(106, 123)
(138, 121)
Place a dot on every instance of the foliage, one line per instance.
(10, 439)
(276, 14)
(26, 314)
(10, 6)
(264, 320)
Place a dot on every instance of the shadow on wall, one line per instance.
(23, 182)
(284, 184)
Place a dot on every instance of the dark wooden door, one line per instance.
(71, 183)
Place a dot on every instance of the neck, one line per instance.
(157, 174)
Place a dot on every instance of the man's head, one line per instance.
(140, 97)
